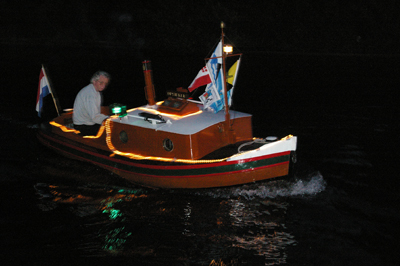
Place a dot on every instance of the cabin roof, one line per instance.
(187, 125)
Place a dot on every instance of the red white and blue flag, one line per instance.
(202, 78)
(208, 74)
(43, 91)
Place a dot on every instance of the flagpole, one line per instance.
(228, 128)
(55, 100)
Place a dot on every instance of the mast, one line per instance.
(227, 126)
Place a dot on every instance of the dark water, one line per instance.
(340, 209)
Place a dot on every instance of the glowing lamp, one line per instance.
(118, 109)
(228, 49)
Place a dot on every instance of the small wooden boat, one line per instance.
(175, 143)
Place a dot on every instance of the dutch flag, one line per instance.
(43, 91)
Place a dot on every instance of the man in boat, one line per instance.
(87, 117)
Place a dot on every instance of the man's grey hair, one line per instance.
(97, 75)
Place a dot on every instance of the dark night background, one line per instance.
(284, 41)
(343, 27)
(325, 71)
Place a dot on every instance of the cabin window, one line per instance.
(123, 136)
(168, 144)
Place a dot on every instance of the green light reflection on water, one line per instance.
(114, 239)
(113, 213)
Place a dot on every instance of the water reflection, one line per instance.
(187, 211)
(260, 228)
(231, 226)
(115, 234)
(106, 221)
(115, 239)
(252, 218)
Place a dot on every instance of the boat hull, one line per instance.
(174, 175)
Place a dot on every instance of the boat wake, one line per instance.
(307, 186)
